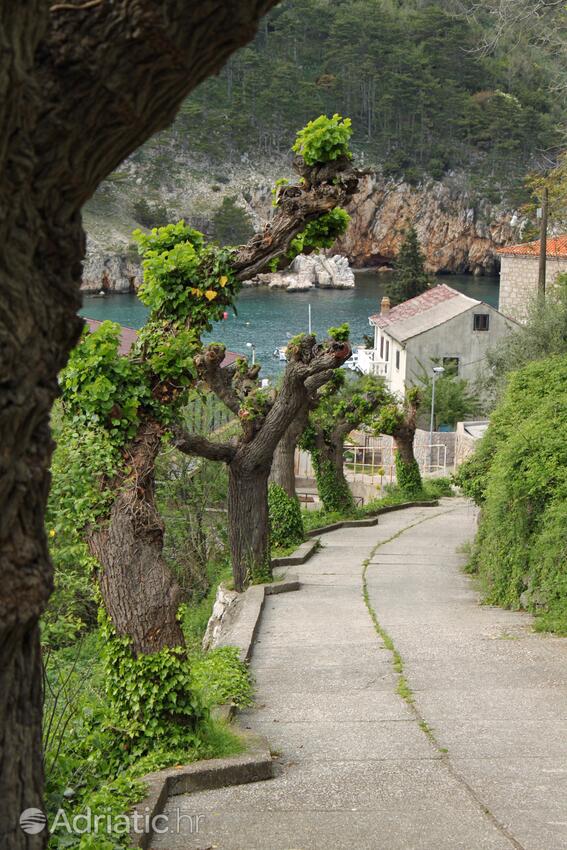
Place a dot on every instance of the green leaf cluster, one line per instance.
(286, 524)
(320, 233)
(324, 139)
(519, 476)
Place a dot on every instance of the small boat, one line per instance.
(281, 353)
(352, 363)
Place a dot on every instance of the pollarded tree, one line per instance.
(343, 406)
(187, 285)
(82, 85)
(399, 420)
(409, 278)
(264, 417)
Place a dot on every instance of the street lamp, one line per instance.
(437, 371)
(253, 347)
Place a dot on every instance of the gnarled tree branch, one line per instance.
(194, 444)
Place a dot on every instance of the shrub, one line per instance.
(150, 215)
(286, 524)
(520, 552)
(221, 678)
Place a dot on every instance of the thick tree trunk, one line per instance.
(82, 85)
(407, 469)
(283, 466)
(248, 523)
(328, 462)
(140, 594)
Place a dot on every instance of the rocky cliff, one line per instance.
(458, 233)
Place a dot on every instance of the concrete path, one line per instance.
(461, 744)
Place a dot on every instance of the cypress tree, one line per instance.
(410, 278)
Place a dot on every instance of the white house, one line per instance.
(442, 325)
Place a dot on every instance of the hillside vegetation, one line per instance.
(519, 478)
(422, 94)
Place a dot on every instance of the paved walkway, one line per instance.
(478, 761)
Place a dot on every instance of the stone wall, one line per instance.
(518, 282)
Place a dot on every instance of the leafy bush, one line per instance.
(221, 678)
(286, 524)
(408, 477)
(324, 139)
(150, 215)
(231, 224)
(520, 550)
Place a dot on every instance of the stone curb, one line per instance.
(372, 518)
(300, 556)
(255, 765)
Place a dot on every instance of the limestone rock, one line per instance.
(311, 271)
(458, 233)
(109, 272)
(222, 611)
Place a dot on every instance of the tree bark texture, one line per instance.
(283, 465)
(140, 593)
(82, 85)
(248, 525)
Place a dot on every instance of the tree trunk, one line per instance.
(248, 523)
(328, 462)
(407, 469)
(283, 466)
(140, 594)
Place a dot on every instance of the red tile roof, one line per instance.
(128, 337)
(556, 247)
(416, 305)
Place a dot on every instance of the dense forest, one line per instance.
(424, 93)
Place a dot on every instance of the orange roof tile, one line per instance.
(414, 306)
(556, 247)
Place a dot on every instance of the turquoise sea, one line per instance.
(267, 318)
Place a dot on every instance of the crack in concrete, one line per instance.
(405, 692)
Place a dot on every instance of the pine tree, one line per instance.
(410, 278)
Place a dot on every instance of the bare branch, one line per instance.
(194, 444)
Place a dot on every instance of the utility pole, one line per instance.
(543, 245)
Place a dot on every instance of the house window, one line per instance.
(451, 365)
(387, 354)
(481, 322)
(381, 348)
(398, 360)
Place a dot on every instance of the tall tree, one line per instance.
(137, 399)
(82, 85)
(343, 406)
(410, 278)
(399, 420)
(264, 416)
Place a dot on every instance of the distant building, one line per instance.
(519, 273)
(441, 324)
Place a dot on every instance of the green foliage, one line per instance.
(150, 215)
(286, 525)
(103, 389)
(231, 224)
(543, 334)
(408, 477)
(82, 456)
(151, 700)
(341, 333)
(332, 486)
(520, 549)
(324, 139)
(322, 232)
(426, 99)
(455, 400)
(220, 678)
(410, 278)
